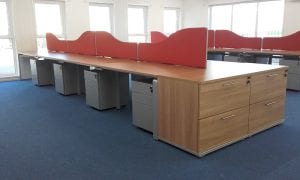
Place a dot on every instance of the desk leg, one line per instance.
(78, 68)
(117, 81)
(270, 60)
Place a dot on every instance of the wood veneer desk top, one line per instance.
(255, 51)
(215, 70)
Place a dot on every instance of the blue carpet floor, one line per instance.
(44, 135)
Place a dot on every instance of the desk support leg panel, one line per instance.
(24, 67)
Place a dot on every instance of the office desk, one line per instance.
(288, 58)
(201, 110)
(264, 52)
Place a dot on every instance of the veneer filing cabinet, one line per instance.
(106, 89)
(41, 72)
(66, 78)
(293, 80)
(144, 104)
(216, 114)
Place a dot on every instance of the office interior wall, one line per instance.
(76, 18)
(291, 21)
(197, 13)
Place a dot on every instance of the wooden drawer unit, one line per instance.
(217, 131)
(219, 97)
(268, 85)
(266, 114)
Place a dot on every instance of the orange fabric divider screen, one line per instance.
(56, 45)
(157, 37)
(85, 44)
(228, 39)
(185, 47)
(98, 43)
(107, 45)
(289, 43)
(211, 39)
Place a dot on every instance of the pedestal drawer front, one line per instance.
(219, 130)
(294, 65)
(216, 98)
(265, 114)
(268, 85)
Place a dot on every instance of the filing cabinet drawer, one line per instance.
(221, 129)
(142, 87)
(219, 97)
(267, 85)
(142, 98)
(264, 114)
(294, 65)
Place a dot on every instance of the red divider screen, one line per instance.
(228, 39)
(290, 42)
(56, 45)
(185, 47)
(107, 45)
(211, 39)
(157, 37)
(85, 44)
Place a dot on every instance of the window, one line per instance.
(221, 17)
(270, 18)
(137, 24)
(249, 19)
(171, 20)
(8, 64)
(49, 17)
(100, 17)
(244, 19)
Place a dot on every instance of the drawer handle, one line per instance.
(228, 84)
(228, 117)
(272, 75)
(271, 103)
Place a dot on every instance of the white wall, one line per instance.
(291, 21)
(77, 18)
(197, 15)
(24, 25)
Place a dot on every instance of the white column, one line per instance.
(24, 25)
(121, 20)
(77, 18)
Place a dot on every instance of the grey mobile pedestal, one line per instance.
(106, 89)
(293, 80)
(66, 78)
(41, 72)
(144, 103)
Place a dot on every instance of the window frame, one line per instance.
(257, 13)
(62, 6)
(111, 13)
(178, 17)
(145, 12)
(11, 37)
